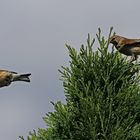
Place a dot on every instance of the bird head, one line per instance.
(115, 39)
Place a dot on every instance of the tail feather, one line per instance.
(22, 77)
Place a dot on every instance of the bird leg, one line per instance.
(133, 58)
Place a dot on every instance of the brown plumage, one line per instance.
(129, 47)
(7, 77)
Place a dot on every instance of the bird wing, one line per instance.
(13, 72)
(128, 42)
(7, 71)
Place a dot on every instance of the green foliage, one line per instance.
(102, 97)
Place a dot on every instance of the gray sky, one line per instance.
(32, 38)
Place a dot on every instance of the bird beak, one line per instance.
(111, 40)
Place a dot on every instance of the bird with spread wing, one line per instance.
(129, 47)
(7, 77)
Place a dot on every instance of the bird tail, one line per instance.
(21, 77)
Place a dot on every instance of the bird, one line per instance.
(7, 77)
(126, 46)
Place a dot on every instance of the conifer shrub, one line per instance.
(102, 96)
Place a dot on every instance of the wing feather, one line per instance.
(131, 42)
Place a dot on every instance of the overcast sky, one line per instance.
(32, 38)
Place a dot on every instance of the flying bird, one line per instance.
(7, 77)
(129, 47)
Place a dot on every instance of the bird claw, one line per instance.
(133, 58)
(130, 60)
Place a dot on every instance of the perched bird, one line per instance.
(129, 47)
(7, 77)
